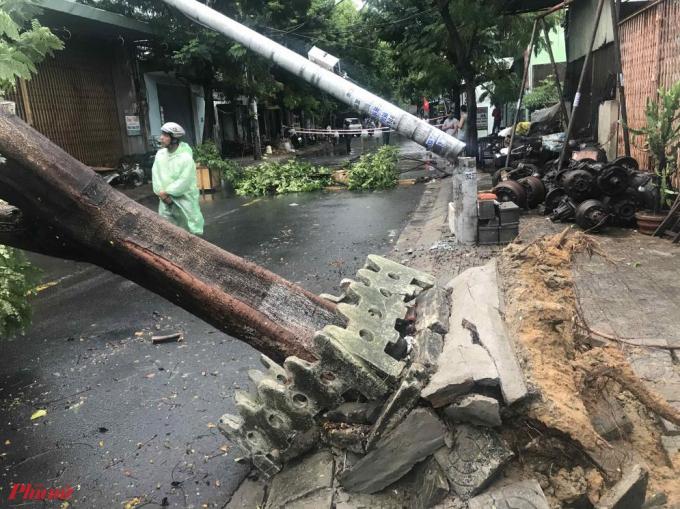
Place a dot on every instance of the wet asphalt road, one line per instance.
(128, 419)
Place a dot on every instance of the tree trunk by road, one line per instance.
(67, 210)
(471, 132)
(209, 116)
(255, 129)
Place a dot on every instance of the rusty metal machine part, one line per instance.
(591, 215)
(535, 190)
(580, 184)
(553, 199)
(613, 180)
(510, 190)
(627, 162)
(564, 211)
(622, 208)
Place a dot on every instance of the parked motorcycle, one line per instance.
(128, 175)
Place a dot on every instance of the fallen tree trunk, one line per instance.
(67, 210)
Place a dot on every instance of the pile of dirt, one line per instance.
(562, 448)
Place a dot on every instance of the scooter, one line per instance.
(129, 175)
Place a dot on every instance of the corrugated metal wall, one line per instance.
(72, 101)
(650, 53)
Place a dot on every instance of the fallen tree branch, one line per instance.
(635, 342)
(156, 340)
(69, 211)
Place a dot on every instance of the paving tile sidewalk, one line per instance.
(635, 297)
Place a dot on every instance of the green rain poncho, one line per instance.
(176, 175)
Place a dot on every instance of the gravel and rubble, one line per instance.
(504, 403)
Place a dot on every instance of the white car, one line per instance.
(354, 124)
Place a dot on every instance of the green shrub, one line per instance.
(660, 137)
(292, 176)
(543, 95)
(207, 154)
(18, 280)
(375, 171)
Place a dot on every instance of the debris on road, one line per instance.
(450, 418)
(170, 338)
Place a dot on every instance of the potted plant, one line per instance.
(662, 141)
(212, 169)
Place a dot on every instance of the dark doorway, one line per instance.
(175, 104)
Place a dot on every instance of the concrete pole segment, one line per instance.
(408, 125)
(465, 201)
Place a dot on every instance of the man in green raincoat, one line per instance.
(174, 181)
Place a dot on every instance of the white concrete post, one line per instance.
(359, 99)
(8, 107)
(463, 209)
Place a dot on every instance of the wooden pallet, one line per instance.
(670, 227)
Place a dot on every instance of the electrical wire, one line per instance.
(348, 29)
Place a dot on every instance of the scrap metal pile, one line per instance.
(589, 191)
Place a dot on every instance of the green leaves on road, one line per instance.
(18, 280)
(375, 171)
(291, 176)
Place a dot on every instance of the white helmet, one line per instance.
(173, 129)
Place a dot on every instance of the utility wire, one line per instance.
(349, 28)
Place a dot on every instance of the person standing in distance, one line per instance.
(174, 181)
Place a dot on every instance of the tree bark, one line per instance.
(461, 57)
(209, 116)
(471, 133)
(69, 211)
(255, 129)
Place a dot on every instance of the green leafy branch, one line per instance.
(375, 171)
(18, 280)
(661, 137)
(207, 154)
(21, 48)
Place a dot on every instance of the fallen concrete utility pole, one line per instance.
(65, 209)
(410, 126)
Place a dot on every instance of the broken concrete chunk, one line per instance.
(416, 437)
(433, 310)
(320, 499)
(395, 497)
(428, 346)
(355, 413)
(460, 367)
(629, 492)
(249, 494)
(298, 480)
(609, 418)
(521, 495)
(475, 409)
(476, 456)
(670, 428)
(397, 407)
(658, 499)
(429, 484)
(475, 297)
(350, 437)
(671, 445)
(494, 337)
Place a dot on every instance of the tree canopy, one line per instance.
(451, 45)
(217, 63)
